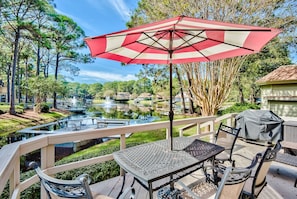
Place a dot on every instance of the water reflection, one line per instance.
(109, 109)
(116, 110)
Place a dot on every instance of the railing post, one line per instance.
(211, 129)
(122, 146)
(198, 131)
(181, 132)
(47, 160)
(15, 178)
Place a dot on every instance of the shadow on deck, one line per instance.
(281, 177)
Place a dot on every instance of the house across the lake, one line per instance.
(122, 96)
(279, 91)
(3, 91)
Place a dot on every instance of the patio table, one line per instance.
(154, 165)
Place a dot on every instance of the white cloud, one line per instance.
(105, 76)
(121, 7)
(78, 20)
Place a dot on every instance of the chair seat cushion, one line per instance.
(222, 156)
(248, 187)
(202, 190)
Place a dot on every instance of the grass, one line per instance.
(4, 108)
(13, 123)
(134, 139)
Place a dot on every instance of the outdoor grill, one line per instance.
(259, 125)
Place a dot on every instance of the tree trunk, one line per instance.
(240, 90)
(37, 107)
(56, 78)
(181, 91)
(13, 71)
(8, 83)
(191, 103)
(26, 81)
(19, 80)
(38, 59)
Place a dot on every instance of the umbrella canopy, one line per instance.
(180, 40)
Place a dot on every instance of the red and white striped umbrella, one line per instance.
(180, 40)
(186, 39)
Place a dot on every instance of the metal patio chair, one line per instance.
(78, 188)
(257, 181)
(226, 136)
(230, 186)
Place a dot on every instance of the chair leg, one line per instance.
(233, 163)
(122, 188)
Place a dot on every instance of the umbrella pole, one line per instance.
(171, 113)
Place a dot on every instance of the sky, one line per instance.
(98, 17)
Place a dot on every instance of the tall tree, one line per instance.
(211, 83)
(270, 13)
(257, 66)
(67, 37)
(95, 88)
(18, 17)
(39, 86)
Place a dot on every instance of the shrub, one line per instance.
(237, 108)
(44, 108)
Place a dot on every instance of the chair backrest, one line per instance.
(233, 181)
(266, 159)
(226, 136)
(78, 188)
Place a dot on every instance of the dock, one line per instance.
(75, 124)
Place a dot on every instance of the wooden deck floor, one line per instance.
(280, 179)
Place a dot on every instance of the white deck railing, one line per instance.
(10, 154)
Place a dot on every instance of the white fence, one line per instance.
(10, 154)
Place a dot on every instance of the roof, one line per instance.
(145, 95)
(282, 75)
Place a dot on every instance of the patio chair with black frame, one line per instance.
(256, 183)
(226, 136)
(78, 188)
(230, 186)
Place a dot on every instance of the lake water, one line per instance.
(135, 113)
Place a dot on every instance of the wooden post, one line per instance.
(47, 160)
(15, 177)
(122, 146)
(198, 131)
(212, 125)
(167, 133)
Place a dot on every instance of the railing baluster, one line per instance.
(122, 146)
(48, 150)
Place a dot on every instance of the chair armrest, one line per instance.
(84, 178)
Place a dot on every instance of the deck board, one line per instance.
(280, 179)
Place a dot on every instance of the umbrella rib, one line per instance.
(137, 55)
(202, 29)
(184, 31)
(131, 43)
(219, 40)
(155, 41)
(187, 42)
(197, 35)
